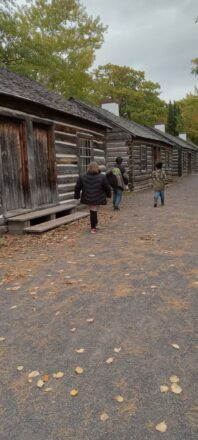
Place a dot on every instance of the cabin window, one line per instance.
(168, 159)
(143, 158)
(85, 154)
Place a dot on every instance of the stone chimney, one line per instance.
(183, 136)
(160, 127)
(111, 106)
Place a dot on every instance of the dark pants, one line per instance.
(93, 219)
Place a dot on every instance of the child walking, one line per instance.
(93, 189)
(159, 180)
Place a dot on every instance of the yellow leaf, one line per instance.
(164, 388)
(2, 339)
(73, 329)
(161, 427)
(119, 399)
(174, 379)
(176, 346)
(33, 374)
(90, 320)
(47, 390)
(58, 375)
(117, 350)
(109, 360)
(40, 383)
(176, 388)
(20, 368)
(104, 417)
(74, 393)
(81, 350)
(79, 370)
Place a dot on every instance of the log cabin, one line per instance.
(185, 152)
(45, 142)
(139, 146)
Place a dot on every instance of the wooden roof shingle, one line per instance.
(18, 86)
(130, 126)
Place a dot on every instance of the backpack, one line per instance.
(112, 179)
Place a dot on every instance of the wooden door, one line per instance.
(189, 163)
(13, 165)
(43, 165)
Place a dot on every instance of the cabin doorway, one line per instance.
(189, 163)
(43, 165)
(13, 166)
(156, 155)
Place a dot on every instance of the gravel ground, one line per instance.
(137, 281)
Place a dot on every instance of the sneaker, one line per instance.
(116, 208)
(93, 231)
(155, 205)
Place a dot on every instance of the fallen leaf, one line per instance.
(57, 313)
(92, 255)
(20, 368)
(153, 287)
(175, 388)
(127, 274)
(33, 374)
(117, 350)
(15, 288)
(90, 320)
(174, 379)
(143, 293)
(2, 339)
(161, 427)
(79, 370)
(73, 329)
(40, 383)
(47, 390)
(119, 399)
(81, 350)
(104, 417)
(30, 380)
(176, 346)
(164, 388)
(109, 360)
(13, 307)
(74, 393)
(45, 378)
(58, 375)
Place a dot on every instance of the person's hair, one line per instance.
(119, 160)
(159, 165)
(93, 168)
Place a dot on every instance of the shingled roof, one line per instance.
(132, 127)
(175, 140)
(12, 84)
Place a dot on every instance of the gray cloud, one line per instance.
(157, 36)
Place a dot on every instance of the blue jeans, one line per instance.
(158, 194)
(117, 196)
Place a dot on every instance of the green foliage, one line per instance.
(173, 119)
(189, 114)
(138, 98)
(195, 68)
(51, 41)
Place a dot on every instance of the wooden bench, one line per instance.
(52, 224)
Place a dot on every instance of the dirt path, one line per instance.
(137, 279)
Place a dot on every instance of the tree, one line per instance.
(189, 113)
(138, 98)
(173, 119)
(52, 41)
(195, 68)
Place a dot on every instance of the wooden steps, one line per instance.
(52, 224)
(45, 219)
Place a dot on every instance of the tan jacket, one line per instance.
(159, 180)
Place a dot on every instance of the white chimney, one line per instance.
(112, 107)
(160, 127)
(183, 136)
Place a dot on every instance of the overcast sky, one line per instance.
(159, 37)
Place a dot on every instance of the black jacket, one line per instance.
(92, 189)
